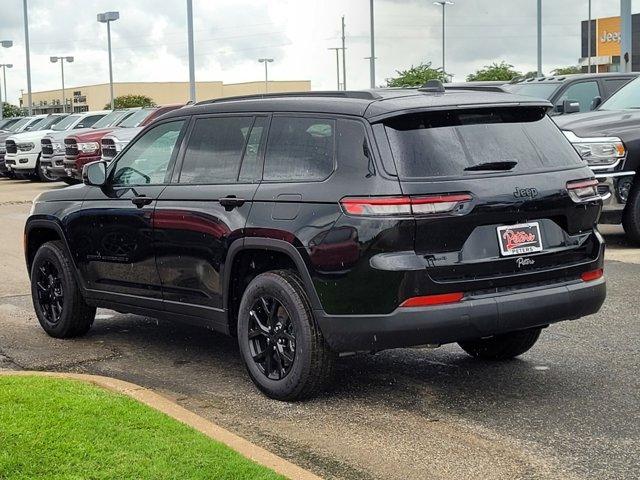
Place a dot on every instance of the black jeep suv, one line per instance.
(317, 225)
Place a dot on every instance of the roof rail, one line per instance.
(432, 86)
(358, 94)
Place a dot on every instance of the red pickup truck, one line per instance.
(85, 148)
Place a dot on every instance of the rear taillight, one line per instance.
(430, 300)
(592, 275)
(423, 205)
(583, 190)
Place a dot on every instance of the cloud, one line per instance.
(150, 44)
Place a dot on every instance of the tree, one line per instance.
(417, 76)
(566, 70)
(9, 110)
(129, 101)
(495, 71)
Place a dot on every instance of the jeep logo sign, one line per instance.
(525, 192)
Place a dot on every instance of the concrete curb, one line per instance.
(172, 409)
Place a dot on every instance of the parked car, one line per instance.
(608, 139)
(581, 92)
(114, 142)
(6, 123)
(53, 146)
(27, 163)
(85, 147)
(461, 217)
(25, 124)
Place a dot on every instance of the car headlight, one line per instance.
(598, 151)
(89, 147)
(57, 147)
(25, 147)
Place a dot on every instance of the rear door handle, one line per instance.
(141, 201)
(231, 201)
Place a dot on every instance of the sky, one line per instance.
(150, 39)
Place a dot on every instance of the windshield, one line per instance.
(455, 143)
(538, 90)
(137, 118)
(48, 122)
(628, 97)
(11, 125)
(66, 123)
(112, 119)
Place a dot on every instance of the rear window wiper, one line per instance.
(491, 166)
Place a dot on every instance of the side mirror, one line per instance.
(596, 102)
(79, 126)
(570, 106)
(95, 174)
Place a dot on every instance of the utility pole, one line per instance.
(337, 49)
(539, 38)
(589, 39)
(192, 67)
(625, 31)
(344, 57)
(372, 58)
(26, 46)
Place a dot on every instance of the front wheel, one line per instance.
(282, 347)
(502, 347)
(631, 216)
(57, 299)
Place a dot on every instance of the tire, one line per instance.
(502, 347)
(313, 361)
(57, 300)
(631, 216)
(42, 175)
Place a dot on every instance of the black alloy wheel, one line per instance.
(271, 337)
(50, 292)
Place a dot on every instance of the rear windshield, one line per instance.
(445, 143)
(537, 90)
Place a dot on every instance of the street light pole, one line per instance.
(444, 5)
(107, 18)
(62, 60)
(266, 62)
(372, 58)
(5, 44)
(192, 67)
(4, 77)
(344, 57)
(26, 47)
(589, 39)
(539, 38)
(337, 49)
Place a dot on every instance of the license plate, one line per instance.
(519, 239)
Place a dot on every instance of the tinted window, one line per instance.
(613, 85)
(583, 92)
(537, 90)
(147, 160)
(251, 165)
(440, 144)
(300, 149)
(215, 149)
(89, 121)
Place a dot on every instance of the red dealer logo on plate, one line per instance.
(519, 239)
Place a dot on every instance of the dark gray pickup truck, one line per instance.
(608, 139)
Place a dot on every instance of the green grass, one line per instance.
(65, 429)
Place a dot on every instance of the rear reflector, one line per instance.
(431, 204)
(583, 190)
(592, 275)
(430, 300)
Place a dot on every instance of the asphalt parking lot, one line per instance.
(566, 409)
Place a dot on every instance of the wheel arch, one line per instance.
(39, 231)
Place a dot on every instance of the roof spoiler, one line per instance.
(432, 86)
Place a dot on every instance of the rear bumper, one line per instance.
(474, 317)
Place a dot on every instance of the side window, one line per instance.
(147, 160)
(215, 149)
(583, 92)
(251, 165)
(87, 122)
(613, 85)
(300, 149)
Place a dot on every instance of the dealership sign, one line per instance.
(609, 36)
